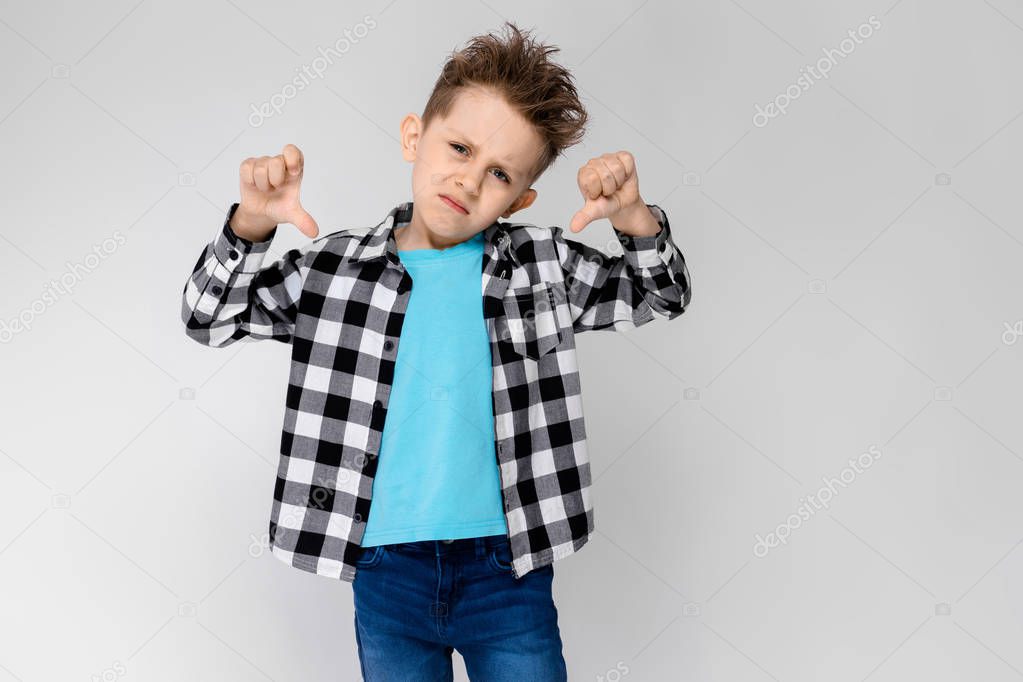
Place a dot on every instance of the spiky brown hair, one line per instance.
(519, 69)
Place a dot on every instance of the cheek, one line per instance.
(431, 171)
(424, 176)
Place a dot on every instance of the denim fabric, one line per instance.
(418, 602)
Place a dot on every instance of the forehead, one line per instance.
(491, 125)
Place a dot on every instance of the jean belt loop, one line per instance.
(481, 547)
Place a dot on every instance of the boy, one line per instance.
(434, 370)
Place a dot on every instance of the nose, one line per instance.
(468, 182)
(466, 186)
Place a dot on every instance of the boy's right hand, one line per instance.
(269, 195)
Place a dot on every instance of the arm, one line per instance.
(649, 279)
(230, 295)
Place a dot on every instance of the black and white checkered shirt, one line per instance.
(340, 301)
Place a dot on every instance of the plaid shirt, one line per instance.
(340, 301)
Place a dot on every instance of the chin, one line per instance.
(445, 222)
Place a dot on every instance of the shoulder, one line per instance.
(353, 241)
(346, 233)
(538, 249)
(541, 243)
(343, 242)
(525, 235)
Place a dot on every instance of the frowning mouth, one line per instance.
(454, 204)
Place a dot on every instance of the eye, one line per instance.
(457, 147)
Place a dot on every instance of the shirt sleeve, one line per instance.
(649, 279)
(230, 295)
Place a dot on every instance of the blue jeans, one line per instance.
(417, 602)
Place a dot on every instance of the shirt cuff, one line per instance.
(237, 254)
(649, 251)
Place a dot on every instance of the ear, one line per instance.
(524, 200)
(411, 131)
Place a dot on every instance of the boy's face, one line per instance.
(481, 155)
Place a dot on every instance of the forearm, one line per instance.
(230, 295)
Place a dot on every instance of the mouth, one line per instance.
(454, 204)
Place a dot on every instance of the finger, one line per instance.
(589, 182)
(628, 161)
(608, 182)
(259, 175)
(617, 168)
(245, 172)
(276, 171)
(306, 224)
(580, 220)
(293, 159)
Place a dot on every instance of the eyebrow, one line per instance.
(507, 160)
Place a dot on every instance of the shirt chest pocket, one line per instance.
(533, 325)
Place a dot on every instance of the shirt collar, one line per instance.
(379, 242)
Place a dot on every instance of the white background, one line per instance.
(856, 281)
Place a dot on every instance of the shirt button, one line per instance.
(388, 345)
(217, 291)
(233, 255)
(377, 404)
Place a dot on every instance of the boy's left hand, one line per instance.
(610, 187)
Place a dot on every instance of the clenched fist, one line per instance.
(610, 188)
(269, 195)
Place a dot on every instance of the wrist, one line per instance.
(636, 220)
(251, 227)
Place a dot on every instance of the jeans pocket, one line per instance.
(370, 557)
(500, 558)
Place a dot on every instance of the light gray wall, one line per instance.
(856, 279)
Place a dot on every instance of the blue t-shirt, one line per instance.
(438, 478)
